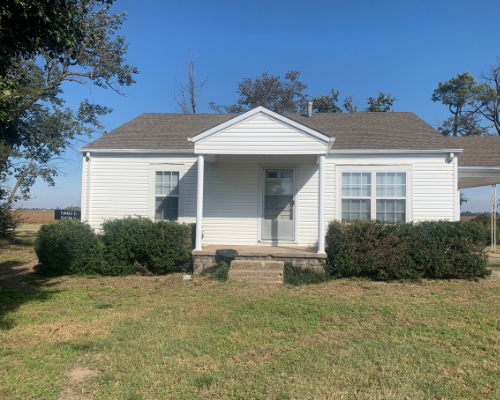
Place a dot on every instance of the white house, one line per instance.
(261, 178)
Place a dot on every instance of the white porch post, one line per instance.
(199, 202)
(321, 206)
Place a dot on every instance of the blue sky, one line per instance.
(358, 47)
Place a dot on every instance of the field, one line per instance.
(159, 338)
(37, 216)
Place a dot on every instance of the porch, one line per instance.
(300, 256)
(251, 172)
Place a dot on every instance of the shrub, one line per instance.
(218, 272)
(9, 222)
(68, 247)
(139, 244)
(437, 249)
(484, 220)
(296, 276)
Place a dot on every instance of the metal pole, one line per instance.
(495, 219)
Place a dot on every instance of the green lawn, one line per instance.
(160, 338)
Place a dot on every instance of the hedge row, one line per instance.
(125, 246)
(437, 249)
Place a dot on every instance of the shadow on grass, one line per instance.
(20, 285)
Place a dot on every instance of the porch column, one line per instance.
(321, 206)
(199, 202)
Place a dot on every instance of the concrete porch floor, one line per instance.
(300, 256)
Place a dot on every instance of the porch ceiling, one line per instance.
(470, 177)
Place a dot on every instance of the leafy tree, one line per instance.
(38, 127)
(280, 95)
(460, 95)
(349, 105)
(28, 27)
(383, 103)
(463, 199)
(327, 104)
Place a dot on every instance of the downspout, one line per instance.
(89, 186)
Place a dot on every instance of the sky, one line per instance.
(404, 48)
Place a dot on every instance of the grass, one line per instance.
(161, 338)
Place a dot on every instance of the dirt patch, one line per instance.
(76, 376)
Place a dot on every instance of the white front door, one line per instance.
(278, 205)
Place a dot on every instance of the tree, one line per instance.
(38, 127)
(463, 199)
(460, 95)
(327, 104)
(488, 96)
(188, 93)
(272, 92)
(96, 58)
(349, 104)
(28, 27)
(382, 103)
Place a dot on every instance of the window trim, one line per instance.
(373, 169)
(153, 168)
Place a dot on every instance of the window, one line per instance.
(387, 202)
(356, 193)
(391, 196)
(166, 195)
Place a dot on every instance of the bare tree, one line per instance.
(489, 96)
(188, 93)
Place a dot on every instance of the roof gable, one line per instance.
(261, 131)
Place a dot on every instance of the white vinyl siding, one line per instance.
(260, 135)
(432, 186)
(120, 186)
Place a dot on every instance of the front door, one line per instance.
(278, 215)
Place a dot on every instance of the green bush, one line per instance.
(434, 249)
(141, 245)
(296, 276)
(9, 222)
(218, 272)
(68, 247)
(484, 220)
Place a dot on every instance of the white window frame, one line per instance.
(373, 169)
(153, 168)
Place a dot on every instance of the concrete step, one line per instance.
(258, 265)
(256, 271)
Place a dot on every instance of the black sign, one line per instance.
(67, 214)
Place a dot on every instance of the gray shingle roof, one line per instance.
(482, 151)
(393, 130)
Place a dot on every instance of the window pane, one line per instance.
(175, 183)
(279, 186)
(391, 184)
(166, 182)
(166, 208)
(355, 209)
(158, 208)
(391, 210)
(356, 184)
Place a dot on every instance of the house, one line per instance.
(265, 179)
